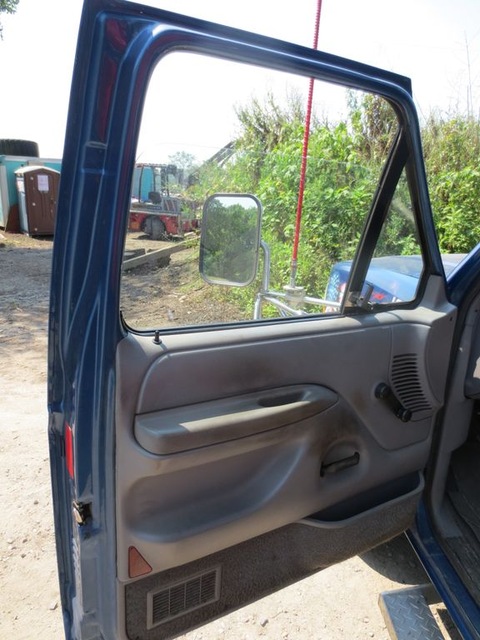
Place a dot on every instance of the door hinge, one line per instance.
(81, 512)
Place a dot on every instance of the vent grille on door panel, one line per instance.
(183, 597)
(406, 383)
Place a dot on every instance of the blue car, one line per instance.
(392, 278)
(201, 465)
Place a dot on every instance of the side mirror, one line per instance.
(230, 239)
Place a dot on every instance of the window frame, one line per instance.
(401, 156)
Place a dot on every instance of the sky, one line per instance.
(435, 42)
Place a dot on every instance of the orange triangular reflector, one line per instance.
(137, 565)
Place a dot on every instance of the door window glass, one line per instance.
(396, 267)
(217, 127)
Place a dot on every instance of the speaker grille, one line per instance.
(406, 382)
(183, 597)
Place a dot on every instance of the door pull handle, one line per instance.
(340, 465)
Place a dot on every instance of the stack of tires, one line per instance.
(19, 148)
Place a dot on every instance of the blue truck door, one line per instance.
(198, 468)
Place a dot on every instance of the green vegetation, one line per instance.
(345, 160)
(7, 6)
(230, 241)
(452, 156)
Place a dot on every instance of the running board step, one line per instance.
(407, 615)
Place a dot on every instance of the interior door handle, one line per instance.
(282, 398)
(340, 465)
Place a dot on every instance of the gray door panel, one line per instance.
(203, 466)
(159, 606)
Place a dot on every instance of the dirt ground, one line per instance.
(339, 603)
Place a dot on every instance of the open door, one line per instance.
(203, 454)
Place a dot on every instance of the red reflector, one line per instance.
(137, 565)
(69, 449)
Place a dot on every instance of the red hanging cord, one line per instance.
(303, 168)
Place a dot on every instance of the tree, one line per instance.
(7, 6)
(374, 124)
(452, 158)
(186, 164)
(345, 164)
(265, 126)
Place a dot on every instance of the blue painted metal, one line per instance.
(461, 606)
(151, 177)
(463, 281)
(394, 278)
(119, 42)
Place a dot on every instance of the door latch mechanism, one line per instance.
(81, 512)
